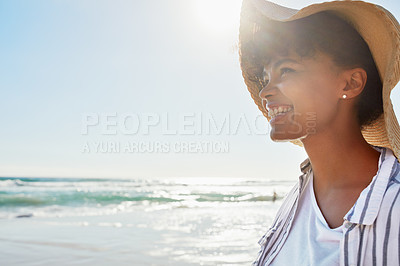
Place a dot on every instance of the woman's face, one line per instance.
(301, 95)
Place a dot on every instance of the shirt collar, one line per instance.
(305, 168)
(367, 206)
(305, 165)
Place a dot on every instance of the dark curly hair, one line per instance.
(327, 33)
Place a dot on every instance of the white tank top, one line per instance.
(310, 240)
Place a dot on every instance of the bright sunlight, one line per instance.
(218, 15)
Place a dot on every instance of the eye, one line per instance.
(285, 70)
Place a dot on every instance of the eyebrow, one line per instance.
(284, 60)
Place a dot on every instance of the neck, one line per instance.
(341, 158)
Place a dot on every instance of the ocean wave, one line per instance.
(87, 198)
(20, 200)
(51, 196)
(7, 200)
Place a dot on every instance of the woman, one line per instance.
(322, 76)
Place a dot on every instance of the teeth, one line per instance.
(280, 110)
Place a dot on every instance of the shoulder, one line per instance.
(393, 186)
(391, 199)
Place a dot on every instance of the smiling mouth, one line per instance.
(272, 113)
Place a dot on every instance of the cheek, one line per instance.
(300, 93)
(293, 89)
(323, 102)
(312, 96)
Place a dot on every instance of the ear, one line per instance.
(356, 78)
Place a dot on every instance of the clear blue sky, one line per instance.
(63, 60)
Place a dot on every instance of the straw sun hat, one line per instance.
(376, 25)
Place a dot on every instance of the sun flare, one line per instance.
(218, 15)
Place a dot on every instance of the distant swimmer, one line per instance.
(274, 197)
(24, 215)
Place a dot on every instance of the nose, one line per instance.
(268, 90)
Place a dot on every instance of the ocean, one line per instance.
(149, 221)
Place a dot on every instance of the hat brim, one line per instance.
(378, 27)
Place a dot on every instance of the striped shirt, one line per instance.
(371, 229)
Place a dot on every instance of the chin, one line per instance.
(285, 137)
